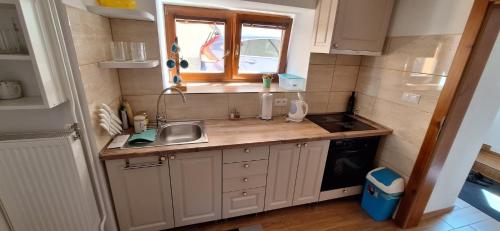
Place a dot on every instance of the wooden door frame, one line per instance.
(468, 64)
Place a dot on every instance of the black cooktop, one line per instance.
(339, 122)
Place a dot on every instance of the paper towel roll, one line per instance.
(267, 106)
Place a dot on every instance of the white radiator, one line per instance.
(45, 186)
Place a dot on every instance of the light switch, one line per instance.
(411, 97)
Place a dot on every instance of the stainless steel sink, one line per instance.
(173, 133)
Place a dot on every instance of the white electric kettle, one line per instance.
(298, 109)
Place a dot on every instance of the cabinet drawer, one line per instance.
(245, 154)
(244, 182)
(243, 202)
(245, 169)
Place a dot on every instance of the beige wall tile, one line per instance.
(408, 123)
(319, 77)
(338, 101)
(100, 85)
(422, 54)
(198, 106)
(249, 104)
(398, 154)
(351, 60)
(317, 101)
(91, 36)
(364, 105)
(344, 78)
(141, 81)
(368, 81)
(318, 58)
(137, 31)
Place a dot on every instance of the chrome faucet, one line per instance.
(163, 119)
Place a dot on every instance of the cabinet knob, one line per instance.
(163, 158)
(245, 179)
(172, 157)
(305, 144)
(245, 193)
(335, 45)
(344, 190)
(246, 165)
(298, 145)
(247, 150)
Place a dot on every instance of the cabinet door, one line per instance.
(361, 25)
(310, 171)
(243, 202)
(281, 173)
(196, 187)
(141, 193)
(323, 27)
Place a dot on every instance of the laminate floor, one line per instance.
(346, 214)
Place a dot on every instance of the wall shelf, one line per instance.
(28, 102)
(18, 57)
(129, 64)
(110, 12)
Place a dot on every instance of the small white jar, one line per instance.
(140, 123)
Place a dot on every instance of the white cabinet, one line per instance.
(141, 193)
(196, 187)
(355, 27)
(295, 173)
(310, 171)
(44, 63)
(281, 173)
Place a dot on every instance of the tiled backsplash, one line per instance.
(91, 36)
(413, 64)
(141, 86)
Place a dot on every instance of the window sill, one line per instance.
(237, 87)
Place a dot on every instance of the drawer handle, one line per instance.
(245, 193)
(245, 179)
(246, 165)
(172, 157)
(246, 150)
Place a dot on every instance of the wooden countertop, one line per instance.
(248, 132)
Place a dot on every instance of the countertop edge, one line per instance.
(162, 150)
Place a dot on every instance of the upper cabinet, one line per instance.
(355, 27)
(32, 54)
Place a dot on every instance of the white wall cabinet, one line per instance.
(196, 187)
(355, 27)
(141, 193)
(41, 68)
(310, 171)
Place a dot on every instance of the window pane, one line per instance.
(202, 45)
(260, 49)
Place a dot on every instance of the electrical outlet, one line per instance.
(411, 97)
(280, 102)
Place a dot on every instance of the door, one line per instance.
(310, 171)
(323, 27)
(361, 25)
(281, 173)
(141, 193)
(196, 186)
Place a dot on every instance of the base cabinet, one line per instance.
(310, 172)
(281, 173)
(141, 193)
(196, 187)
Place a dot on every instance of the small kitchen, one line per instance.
(204, 111)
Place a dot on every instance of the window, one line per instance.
(224, 45)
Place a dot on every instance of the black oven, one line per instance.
(348, 162)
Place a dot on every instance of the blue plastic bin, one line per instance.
(383, 189)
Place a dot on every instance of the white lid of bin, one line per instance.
(386, 180)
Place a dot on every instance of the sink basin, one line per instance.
(173, 133)
(181, 132)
